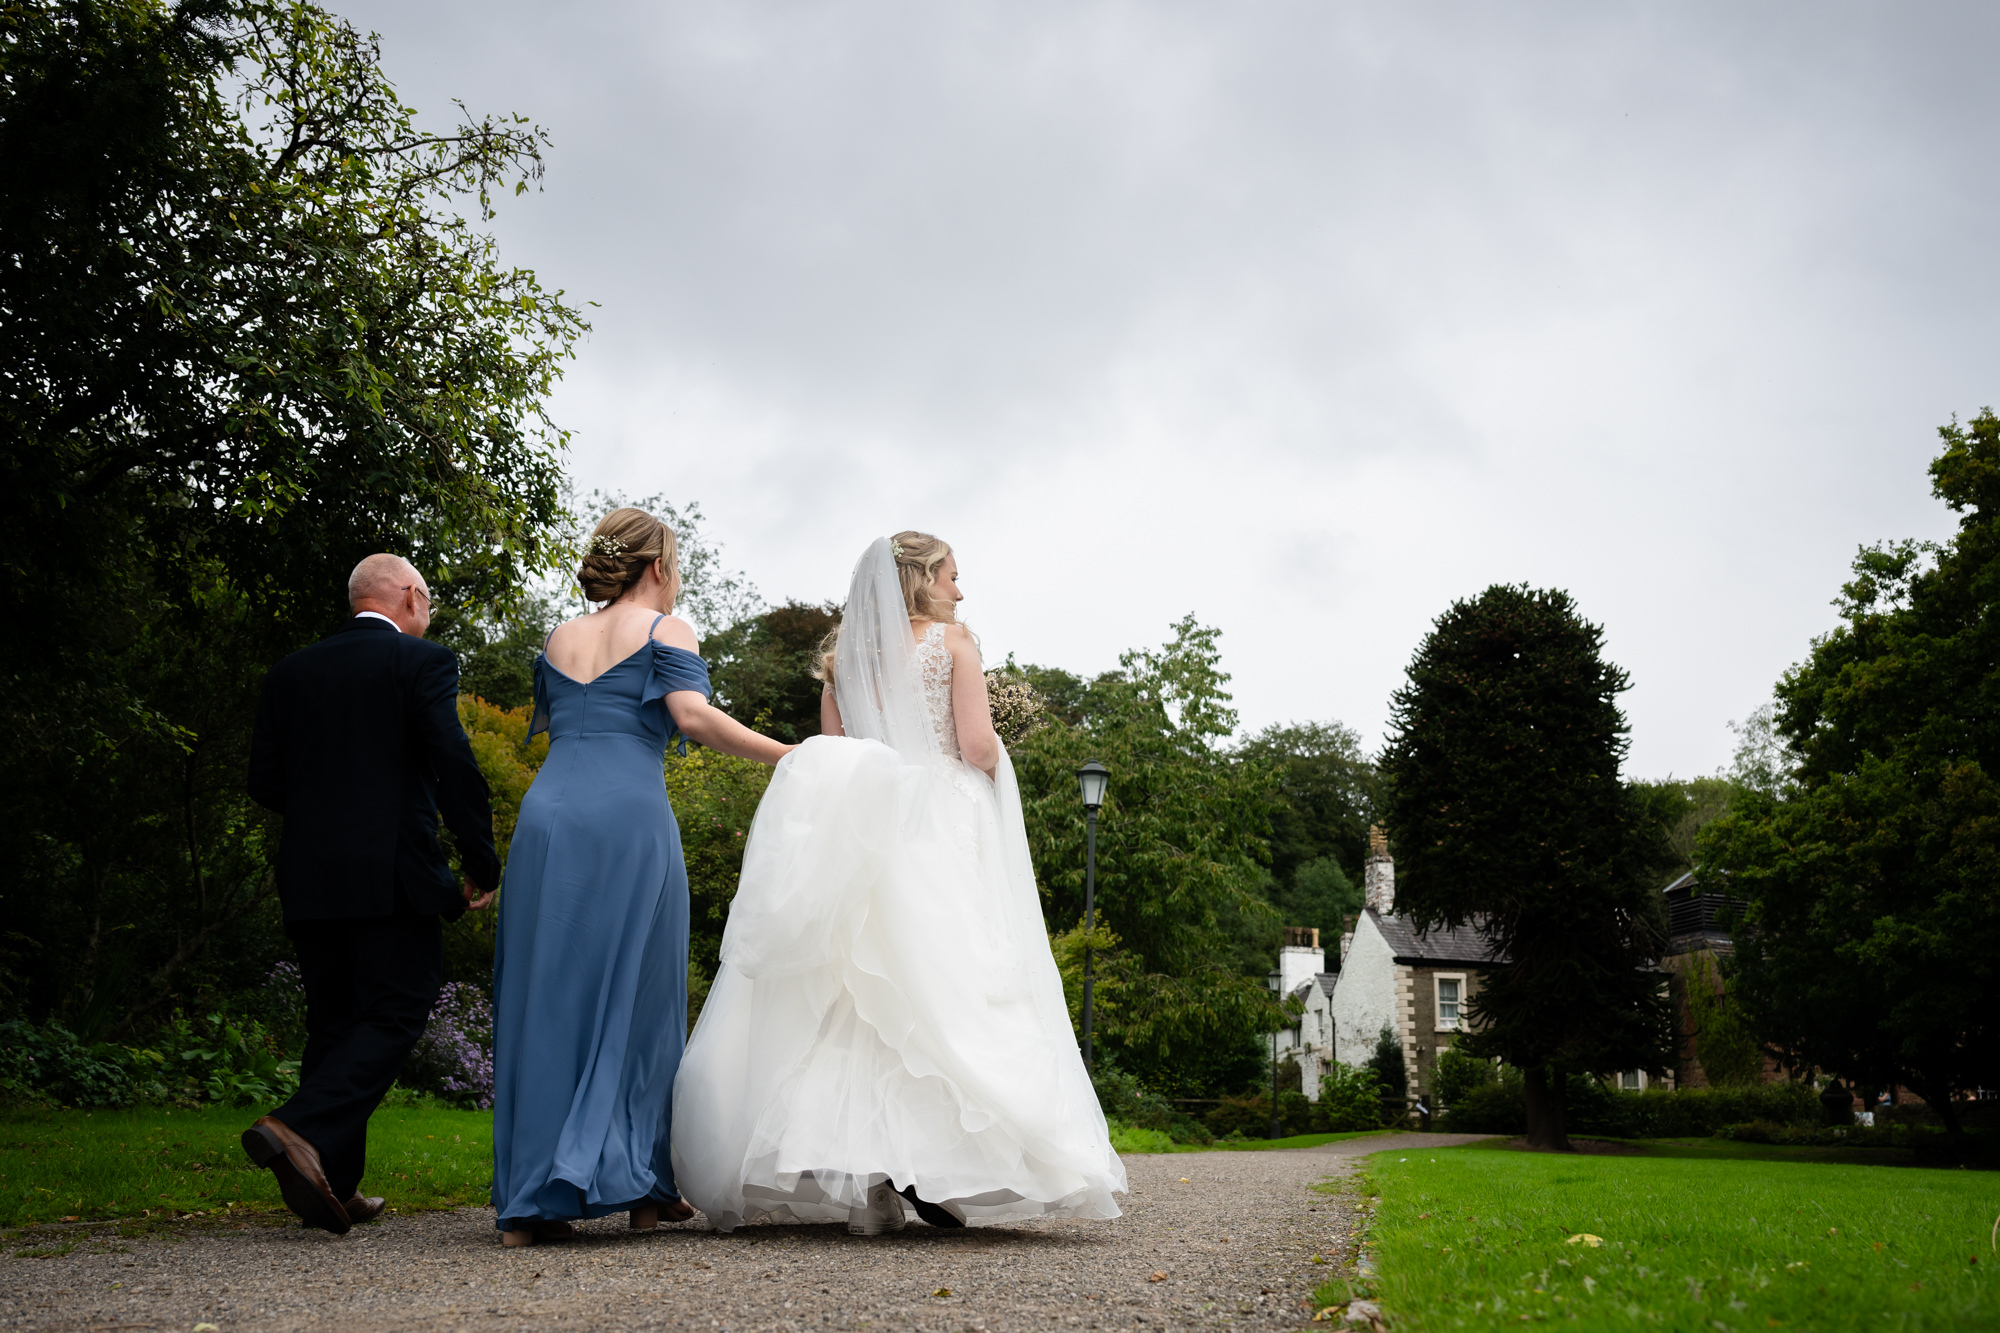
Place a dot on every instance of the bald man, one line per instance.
(358, 746)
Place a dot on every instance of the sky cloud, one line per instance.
(1307, 319)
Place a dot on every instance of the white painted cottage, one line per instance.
(1415, 982)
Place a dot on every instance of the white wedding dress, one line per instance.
(887, 1007)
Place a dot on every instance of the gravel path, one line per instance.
(1232, 1234)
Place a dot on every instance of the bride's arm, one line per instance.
(971, 713)
(829, 714)
(702, 722)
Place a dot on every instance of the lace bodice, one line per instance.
(934, 670)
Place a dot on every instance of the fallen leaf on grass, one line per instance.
(1157, 1276)
(1330, 1312)
(1585, 1238)
(1320, 1260)
(942, 1291)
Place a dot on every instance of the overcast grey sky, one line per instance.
(1305, 317)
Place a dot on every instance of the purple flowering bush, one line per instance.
(454, 1057)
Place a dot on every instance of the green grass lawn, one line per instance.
(1479, 1238)
(92, 1165)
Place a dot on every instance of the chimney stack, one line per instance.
(1378, 875)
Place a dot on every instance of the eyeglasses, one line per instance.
(421, 592)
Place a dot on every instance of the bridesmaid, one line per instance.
(590, 975)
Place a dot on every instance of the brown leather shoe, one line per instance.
(271, 1143)
(361, 1210)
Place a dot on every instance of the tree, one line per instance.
(1869, 854)
(251, 336)
(497, 642)
(1508, 815)
(1181, 860)
(1329, 792)
(1322, 896)
(762, 668)
(1676, 810)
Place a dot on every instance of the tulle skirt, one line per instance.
(887, 1008)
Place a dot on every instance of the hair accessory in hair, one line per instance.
(895, 548)
(605, 544)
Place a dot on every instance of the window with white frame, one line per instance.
(1632, 1080)
(1450, 1001)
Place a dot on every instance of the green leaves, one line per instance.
(1870, 872)
(252, 336)
(1181, 848)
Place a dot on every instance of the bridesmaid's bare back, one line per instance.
(585, 648)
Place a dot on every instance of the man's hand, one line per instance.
(474, 899)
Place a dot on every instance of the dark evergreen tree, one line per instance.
(1508, 814)
(1872, 947)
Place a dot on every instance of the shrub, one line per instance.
(1125, 1099)
(1387, 1062)
(214, 1058)
(1498, 1107)
(48, 1064)
(1128, 1101)
(1131, 1138)
(1459, 1075)
(1687, 1112)
(454, 1057)
(1592, 1108)
(1248, 1116)
(1350, 1098)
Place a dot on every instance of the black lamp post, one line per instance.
(1275, 981)
(1091, 780)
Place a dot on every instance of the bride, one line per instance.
(887, 1027)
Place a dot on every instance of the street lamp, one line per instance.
(1091, 780)
(1273, 980)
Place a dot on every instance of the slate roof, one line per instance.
(1326, 980)
(1444, 945)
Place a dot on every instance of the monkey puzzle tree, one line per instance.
(1504, 799)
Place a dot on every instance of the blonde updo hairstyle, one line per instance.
(621, 548)
(918, 555)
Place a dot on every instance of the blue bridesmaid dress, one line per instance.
(590, 971)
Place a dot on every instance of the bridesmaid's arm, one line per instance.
(829, 714)
(702, 722)
(705, 724)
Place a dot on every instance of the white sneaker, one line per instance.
(883, 1213)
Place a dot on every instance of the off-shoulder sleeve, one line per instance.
(538, 722)
(674, 669)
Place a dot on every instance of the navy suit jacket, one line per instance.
(358, 746)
